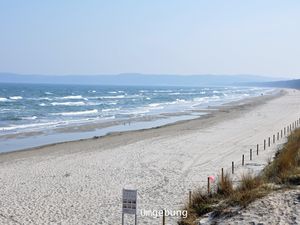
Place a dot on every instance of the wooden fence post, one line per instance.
(208, 185)
(243, 160)
(190, 198)
(257, 146)
(264, 144)
(222, 176)
(251, 154)
(284, 131)
(232, 167)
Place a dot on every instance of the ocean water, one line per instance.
(32, 115)
(34, 107)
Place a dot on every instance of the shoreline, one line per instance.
(207, 113)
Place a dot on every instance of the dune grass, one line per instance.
(283, 170)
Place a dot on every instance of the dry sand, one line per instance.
(278, 208)
(81, 182)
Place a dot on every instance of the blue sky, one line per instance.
(162, 37)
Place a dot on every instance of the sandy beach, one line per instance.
(80, 182)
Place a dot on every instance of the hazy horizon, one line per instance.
(166, 37)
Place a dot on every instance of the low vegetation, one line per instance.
(282, 172)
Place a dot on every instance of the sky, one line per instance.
(150, 36)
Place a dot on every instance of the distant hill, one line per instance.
(283, 84)
(136, 79)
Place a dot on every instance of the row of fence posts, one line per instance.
(283, 132)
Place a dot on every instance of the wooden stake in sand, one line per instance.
(208, 186)
(257, 146)
(250, 154)
(284, 131)
(269, 142)
(164, 217)
(273, 138)
(277, 136)
(264, 144)
(281, 133)
(190, 198)
(232, 167)
(243, 160)
(222, 176)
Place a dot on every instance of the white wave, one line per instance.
(29, 118)
(216, 92)
(48, 93)
(112, 92)
(94, 111)
(113, 96)
(154, 104)
(68, 103)
(16, 97)
(163, 91)
(175, 93)
(44, 98)
(25, 126)
(42, 104)
(72, 97)
(109, 110)
(4, 99)
(148, 98)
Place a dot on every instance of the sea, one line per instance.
(37, 114)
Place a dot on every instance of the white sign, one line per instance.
(129, 201)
